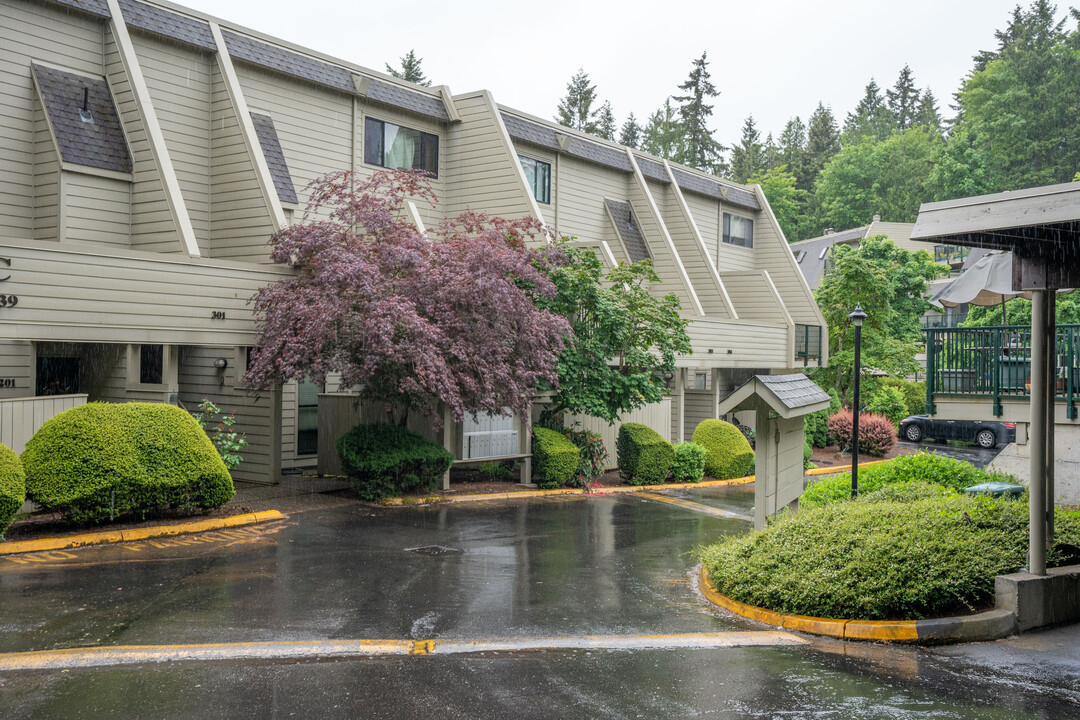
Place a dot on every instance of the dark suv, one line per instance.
(984, 434)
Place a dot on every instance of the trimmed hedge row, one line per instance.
(97, 461)
(12, 487)
(557, 458)
(644, 456)
(383, 460)
(728, 453)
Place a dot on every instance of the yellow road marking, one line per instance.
(133, 654)
(696, 507)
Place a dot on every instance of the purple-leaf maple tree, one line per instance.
(409, 319)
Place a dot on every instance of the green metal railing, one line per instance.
(808, 343)
(995, 362)
(950, 253)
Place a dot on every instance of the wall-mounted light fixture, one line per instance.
(221, 363)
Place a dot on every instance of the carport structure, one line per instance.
(1041, 226)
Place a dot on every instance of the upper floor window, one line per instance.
(538, 176)
(738, 230)
(393, 146)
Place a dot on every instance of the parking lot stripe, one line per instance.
(696, 507)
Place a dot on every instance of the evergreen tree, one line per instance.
(784, 198)
(793, 151)
(926, 114)
(662, 135)
(605, 122)
(576, 109)
(410, 70)
(748, 157)
(770, 153)
(822, 141)
(700, 150)
(870, 119)
(903, 99)
(630, 134)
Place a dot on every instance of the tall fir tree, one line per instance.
(822, 141)
(576, 109)
(700, 148)
(770, 153)
(630, 133)
(871, 119)
(663, 135)
(410, 70)
(903, 99)
(926, 113)
(793, 151)
(748, 157)
(605, 122)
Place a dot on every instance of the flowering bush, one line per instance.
(593, 459)
(876, 432)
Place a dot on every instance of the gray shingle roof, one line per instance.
(275, 159)
(100, 144)
(600, 154)
(651, 169)
(406, 99)
(544, 136)
(794, 390)
(711, 188)
(530, 132)
(635, 243)
(94, 7)
(169, 24)
(812, 265)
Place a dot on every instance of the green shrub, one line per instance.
(12, 487)
(914, 394)
(807, 453)
(383, 460)
(497, 470)
(926, 468)
(644, 456)
(97, 461)
(880, 560)
(592, 459)
(556, 458)
(905, 492)
(728, 454)
(689, 462)
(888, 401)
(816, 427)
(877, 434)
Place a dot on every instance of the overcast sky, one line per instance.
(773, 59)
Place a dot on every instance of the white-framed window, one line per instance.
(738, 230)
(394, 146)
(538, 176)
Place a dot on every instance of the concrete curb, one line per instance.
(115, 536)
(477, 497)
(990, 625)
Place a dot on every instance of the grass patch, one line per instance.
(899, 553)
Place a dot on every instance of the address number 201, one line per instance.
(9, 301)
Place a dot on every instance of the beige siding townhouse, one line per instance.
(148, 152)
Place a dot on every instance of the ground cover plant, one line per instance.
(917, 468)
(12, 486)
(383, 460)
(98, 461)
(728, 452)
(884, 556)
(644, 456)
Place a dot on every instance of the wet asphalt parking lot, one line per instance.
(601, 567)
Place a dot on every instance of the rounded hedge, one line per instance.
(881, 558)
(12, 486)
(689, 462)
(728, 453)
(556, 456)
(644, 456)
(100, 460)
(385, 460)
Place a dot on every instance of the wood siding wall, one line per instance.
(96, 209)
(657, 416)
(20, 418)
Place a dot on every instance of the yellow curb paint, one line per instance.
(478, 497)
(116, 536)
(422, 647)
(876, 630)
(841, 468)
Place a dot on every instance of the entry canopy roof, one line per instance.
(1034, 220)
(789, 396)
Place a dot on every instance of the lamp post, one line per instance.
(857, 316)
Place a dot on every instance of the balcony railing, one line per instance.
(995, 362)
(950, 254)
(808, 343)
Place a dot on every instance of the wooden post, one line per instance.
(1051, 408)
(525, 448)
(680, 396)
(275, 435)
(1037, 440)
(764, 480)
(449, 437)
